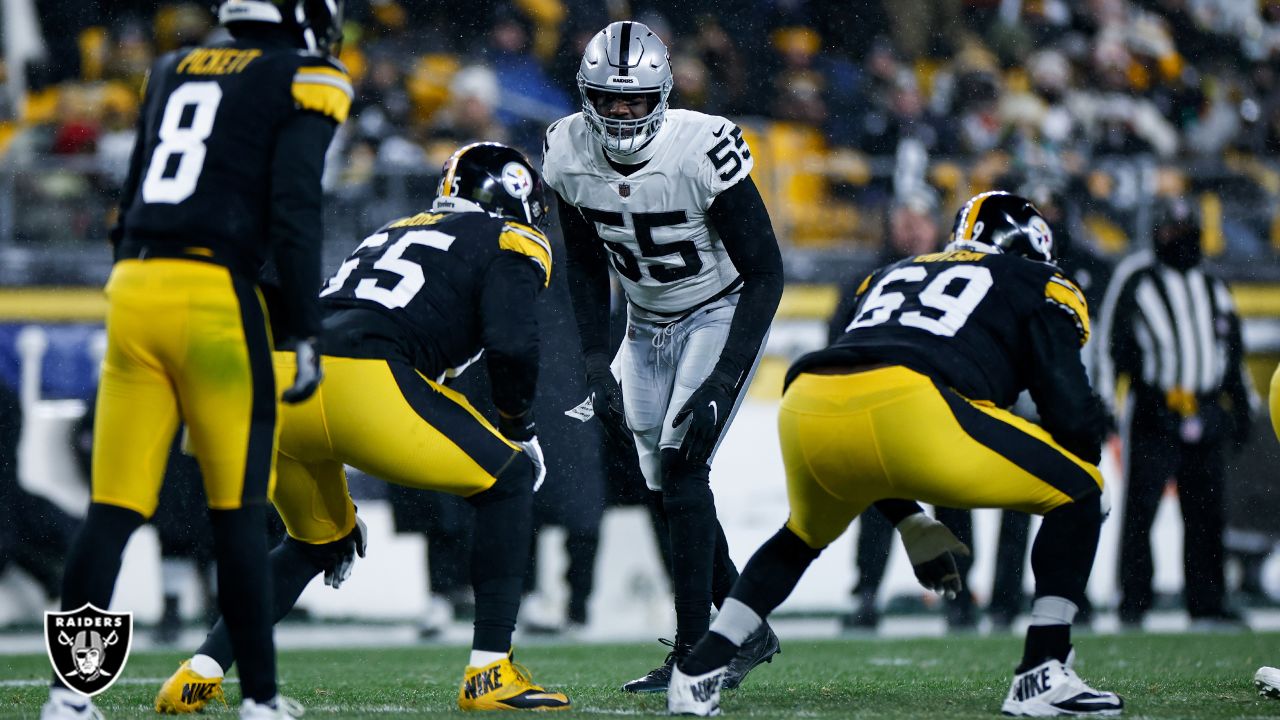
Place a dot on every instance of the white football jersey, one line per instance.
(654, 221)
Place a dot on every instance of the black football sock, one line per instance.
(582, 546)
(723, 573)
(691, 518)
(293, 565)
(244, 595)
(769, 577)
(1061, 559)
(93, 562)
(500, 552)
(661, 531)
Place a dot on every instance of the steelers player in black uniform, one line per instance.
(415, 304)
(910, 403)
(224, 177)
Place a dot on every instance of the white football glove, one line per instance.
(533, 449)
(354, 544)
(932, 547)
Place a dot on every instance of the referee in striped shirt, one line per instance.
(1171, 327)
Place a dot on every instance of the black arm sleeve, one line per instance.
(896, 510)
(1069, 410)
(509, 330)
(130, 189)
(588, 280)
(296, 232)
(739, 216)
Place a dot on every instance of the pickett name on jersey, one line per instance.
(217, 61)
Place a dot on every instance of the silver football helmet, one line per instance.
(626, 58)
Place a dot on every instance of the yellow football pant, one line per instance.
(1275, 401)
(852, 439)
(185, 339)
(386, 419)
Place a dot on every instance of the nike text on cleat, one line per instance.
(1267, 680)
(657, 679)
(694, 694)
(506, 685)
(1052, 688)
(759, 648)
(187, 691)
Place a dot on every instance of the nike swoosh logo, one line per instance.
(78, 708)
(715, 413)
(720, 132)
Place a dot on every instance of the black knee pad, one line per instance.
(321, 558)
(686, 486)
(514, 480)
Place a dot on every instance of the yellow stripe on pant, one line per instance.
(849, 440)
(386, 419)
(185, 340)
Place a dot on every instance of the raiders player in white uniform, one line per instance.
(666, 197)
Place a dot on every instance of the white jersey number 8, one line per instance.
(186, 143)
(880, 306)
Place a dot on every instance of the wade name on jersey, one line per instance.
(654, 221)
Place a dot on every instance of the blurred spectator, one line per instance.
(530, 99)
(924, 28)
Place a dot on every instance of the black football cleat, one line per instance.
(657, 679)
(759, 648)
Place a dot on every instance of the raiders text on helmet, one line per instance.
(625, 58)
(1001, 222)
(493, 178)
(317, 23)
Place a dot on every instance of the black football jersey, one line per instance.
(974, 321)
(428, 284)
(202, 172)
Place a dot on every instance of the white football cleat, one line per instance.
(1053, 688)
(278, 708)
(1267, 680)
(65, 704)
(694, 695)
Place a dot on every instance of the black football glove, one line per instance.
(708, 410)
(932, 548)
(308, 375)
(351, 546)
(521, 431)
(606, 401)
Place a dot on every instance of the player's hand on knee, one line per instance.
(308, 375)
(350, 547)
(520, 430)
(708, 409)
(932, 547)
(606, 402)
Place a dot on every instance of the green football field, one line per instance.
(1160, 676)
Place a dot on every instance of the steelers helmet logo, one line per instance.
(1040, 236)
(517, 179)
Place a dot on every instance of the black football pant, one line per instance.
(1154, 458)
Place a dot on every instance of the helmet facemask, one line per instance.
(624, 136)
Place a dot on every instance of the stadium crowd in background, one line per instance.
(823, 89)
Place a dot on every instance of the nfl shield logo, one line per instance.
(88, 647)
(624, 189)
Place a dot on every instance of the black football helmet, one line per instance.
(495, 178)
(1001, 222)
(315, 24)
